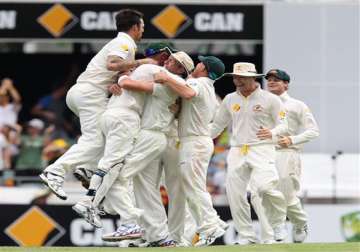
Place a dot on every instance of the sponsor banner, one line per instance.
(95, 21)
(48, 225)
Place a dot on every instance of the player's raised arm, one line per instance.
(178, 86)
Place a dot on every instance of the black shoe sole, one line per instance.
(85, 183)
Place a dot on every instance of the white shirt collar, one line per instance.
(253, 94)
(284, 96)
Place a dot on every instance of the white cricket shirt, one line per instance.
(133, 100)
(157, 115)
(197, 113)
(96, 72)
(248, 114)
(302, 124)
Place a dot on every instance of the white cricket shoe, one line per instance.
(54, 183)
(270, 241)
(280, 233)
(163, 243)
(84, 176)
(206, 240)
(300, 233)
(86, 210)
(124, 232)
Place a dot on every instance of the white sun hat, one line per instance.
(245, 69)
(184, 59)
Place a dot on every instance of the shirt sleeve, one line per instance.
(120, 49)
(216, 106)
(279, 117)
(194, 85)
(221, 120)
(311, 129)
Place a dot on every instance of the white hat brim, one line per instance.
(176, 57)
(246, 74)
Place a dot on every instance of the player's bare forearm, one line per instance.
(117, 64)
(179, 87)
(137, 85)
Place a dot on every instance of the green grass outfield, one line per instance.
(307, 247)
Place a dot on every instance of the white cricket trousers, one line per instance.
(88, 102)
(174, 188)
(120, 200)
(120, 128)
(195, 154)
(266, 231)
(288, 164)
(255, 165)
(179, 218)
(142, 165)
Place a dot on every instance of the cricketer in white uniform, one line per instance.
(196, 146)
(120, 124)
(150, 144)
(168, 161)
(89, 96)
(302, 129)
(182, 226)
(257, 117)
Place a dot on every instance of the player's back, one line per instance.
(157, 115)
(96, 72)
(197, 113)
(132, 100)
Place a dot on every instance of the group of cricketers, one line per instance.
(160, 121)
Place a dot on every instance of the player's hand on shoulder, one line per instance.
(115, 89)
